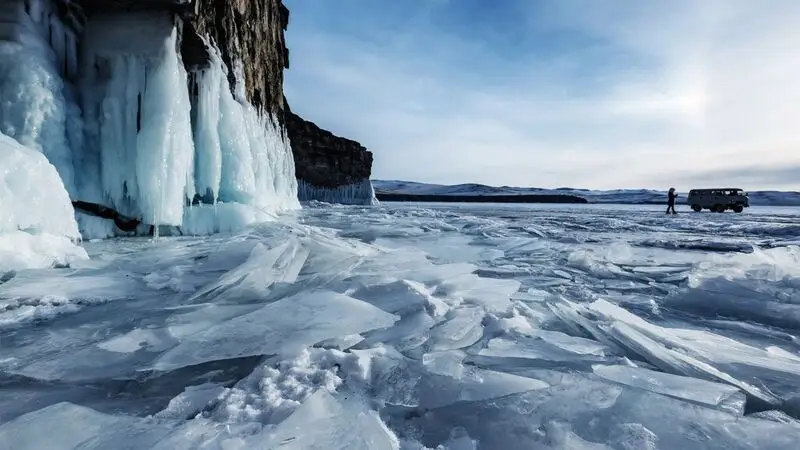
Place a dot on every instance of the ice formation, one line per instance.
(149, 140)
(406, 327)
(37, 225)
(34, 109)
(360, 193)
(290, 336)
(200, 145)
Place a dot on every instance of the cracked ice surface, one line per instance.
(409, 327)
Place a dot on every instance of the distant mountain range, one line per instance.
(618, 196)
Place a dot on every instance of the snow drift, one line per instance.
(37, 222)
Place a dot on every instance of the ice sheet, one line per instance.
(287, 325)
(258, 330)
(592, 414)
(65, 426)
(328, 422)
(722, 396)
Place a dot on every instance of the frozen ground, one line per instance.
(413, 326)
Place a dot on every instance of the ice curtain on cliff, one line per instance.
(126, 126)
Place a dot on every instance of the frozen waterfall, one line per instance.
(135, 132)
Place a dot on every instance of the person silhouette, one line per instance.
(671, 196)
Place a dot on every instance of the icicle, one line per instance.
(33, 109)
(360, 193)
(256, 165)
(208, 166)
(165, 150)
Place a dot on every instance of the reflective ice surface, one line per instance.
(416, 326)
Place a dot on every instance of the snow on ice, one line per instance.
(37, 225)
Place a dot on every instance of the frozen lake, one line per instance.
(417, 326)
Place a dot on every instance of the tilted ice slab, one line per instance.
(335, 422)
(401, 297)
(435, 380)
(543, 345)
(65, 426)
(461, 328)
(717, 395)
(491, 294)
(694, 353)
(580, 412)
(448, 380)
(287, 325)
(254, 278)
(323, 421)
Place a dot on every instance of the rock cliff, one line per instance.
(250, 31)
(328, 167)
(324, 159)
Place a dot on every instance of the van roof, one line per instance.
(718, 189)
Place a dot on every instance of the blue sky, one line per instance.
(551, 93)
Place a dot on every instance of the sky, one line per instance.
(598, 94)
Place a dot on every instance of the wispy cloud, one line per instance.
(556, 92)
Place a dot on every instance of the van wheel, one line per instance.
(719, 208)
(697, 208)
(738, 208)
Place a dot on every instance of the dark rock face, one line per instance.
(323, 159)
(250, 31)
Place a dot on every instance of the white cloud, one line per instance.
(690, 91)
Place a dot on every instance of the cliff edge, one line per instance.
(168, 116)
(329, 167)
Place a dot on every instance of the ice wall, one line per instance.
(148, 139)
(36, 52)
(139, 144)
(161, 142)
(359, 193)
(243, 156)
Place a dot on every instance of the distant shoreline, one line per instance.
(397, 191)
(438, 198)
